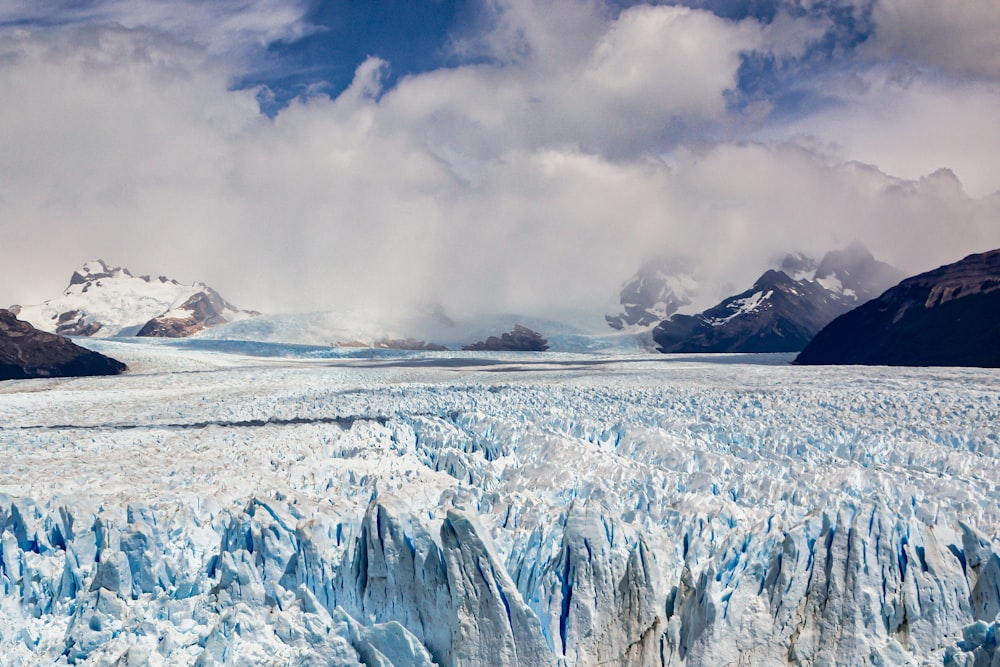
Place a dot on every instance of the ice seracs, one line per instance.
(421, 509)
(106, 301)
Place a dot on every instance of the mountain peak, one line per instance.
(104, 300)
(655, 292)
(95, 270)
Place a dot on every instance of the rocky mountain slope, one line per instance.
(109, 301)
(946, 317)
(26, 352)
(784, 309)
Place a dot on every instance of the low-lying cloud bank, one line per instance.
(587, 142)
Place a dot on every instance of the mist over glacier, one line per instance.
(225, 505)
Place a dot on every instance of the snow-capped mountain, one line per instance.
(945, 317)
(658, 290)
(109, 301)
(26, 352)
(784, 309)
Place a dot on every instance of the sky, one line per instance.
(488, 155)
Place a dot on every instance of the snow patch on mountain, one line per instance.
(744, 306)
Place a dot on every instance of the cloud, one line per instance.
(912, 125)
(537, 183)
(959, 37)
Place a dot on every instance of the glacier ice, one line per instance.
(216, 508)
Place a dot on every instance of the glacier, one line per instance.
(234, 504)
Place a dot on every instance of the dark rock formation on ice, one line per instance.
(518, 339)
(26, 352)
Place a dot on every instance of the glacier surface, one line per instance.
(277, 505)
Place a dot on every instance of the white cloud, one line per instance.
(911, 126)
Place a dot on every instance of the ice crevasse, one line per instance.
(515, 523)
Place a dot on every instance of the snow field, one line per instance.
(567, 509)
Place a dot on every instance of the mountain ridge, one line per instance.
(943, 317)
(781, 313)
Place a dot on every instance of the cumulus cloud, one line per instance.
(539, 181)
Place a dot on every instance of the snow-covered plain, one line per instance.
(279, 505)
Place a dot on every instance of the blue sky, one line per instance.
(304, 155)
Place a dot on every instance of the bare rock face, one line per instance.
(204, 309)
(518, 339)
(945, 317)
(26, 352)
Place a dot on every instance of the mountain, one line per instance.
(657, 290)
(26, 352)
(855, 274)
(784, 309)
(946, 317)
(518, 339)
(109, 301)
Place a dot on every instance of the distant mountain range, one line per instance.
(946, 317)
(106, 301)
(785, 307)
(26, 352)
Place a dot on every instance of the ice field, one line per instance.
(263, 504)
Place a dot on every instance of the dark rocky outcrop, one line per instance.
(518, 339)
(26, 352)
(946, 317)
